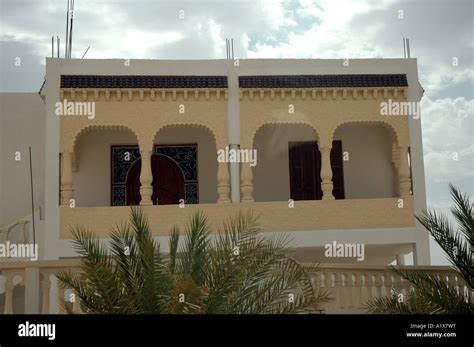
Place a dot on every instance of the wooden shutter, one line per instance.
(337, 170)
(304, 167)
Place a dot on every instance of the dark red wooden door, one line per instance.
(305, 170)
(133, 183)
(305, 167)
(168, 182)
(337, 170)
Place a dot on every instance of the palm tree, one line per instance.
(431, 294)
(236, 272)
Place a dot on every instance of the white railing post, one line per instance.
(32, 286)
(60, 309)
(9, 293)
(46, 288)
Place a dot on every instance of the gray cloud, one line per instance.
(438, 31)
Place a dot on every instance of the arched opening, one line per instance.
(102, 161)
(186, 162)
(368, 167)
(288, 164)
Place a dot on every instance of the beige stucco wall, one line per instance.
(324, 110)
(22, 124)
(146, 113)
(360, 214)
(369, 172)
(92, 178)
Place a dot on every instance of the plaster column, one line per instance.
(146, 178)
(404, 172)
(67, 192)
(326, 171)
(233, 117)
(396, 164)
(400, 259)
(223, 186)
(247, 183)
(234, 169)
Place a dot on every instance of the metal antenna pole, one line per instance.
(70, 30)
(67, 31)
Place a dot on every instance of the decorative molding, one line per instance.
(97, 94)
(335, 93)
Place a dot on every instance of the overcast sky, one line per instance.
(440, 32)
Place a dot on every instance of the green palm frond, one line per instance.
(239, 271)
(463, 212)
(196, 248)
(411, 304)
(432, 294)
(174, 242)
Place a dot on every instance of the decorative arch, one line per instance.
(397, 135)
(217, 140)
(361, 178)
(254, 133)
(196, 186)
(90, 128)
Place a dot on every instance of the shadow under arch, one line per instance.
(271, 175)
